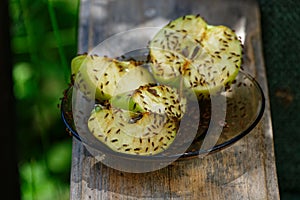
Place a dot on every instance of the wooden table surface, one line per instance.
(245, 170)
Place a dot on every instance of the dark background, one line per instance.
(30, 143)
(280, 21)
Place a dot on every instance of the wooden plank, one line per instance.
(245, 170)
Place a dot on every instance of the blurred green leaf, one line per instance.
(23, 83)
(59, 157)
(37, 183)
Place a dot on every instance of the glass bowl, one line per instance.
(245, 105)
(211, 124)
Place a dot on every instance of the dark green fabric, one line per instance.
(281, 43)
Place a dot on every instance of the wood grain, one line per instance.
(245, 170)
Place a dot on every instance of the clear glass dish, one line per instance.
(245, 107)
(211, 124)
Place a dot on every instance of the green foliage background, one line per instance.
(43, 41)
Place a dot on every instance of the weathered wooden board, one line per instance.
(245, 170)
